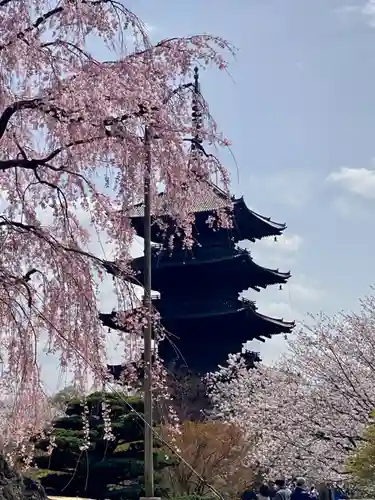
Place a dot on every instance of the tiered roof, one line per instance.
(202, 339)
(247, 224)
(199, 304)
(204, 266)
(231, 321)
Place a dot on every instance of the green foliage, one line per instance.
(361, 464)
(108, 469)
(62, 398)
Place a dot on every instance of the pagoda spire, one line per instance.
(197, 115)
(197, 139)
(200, 302)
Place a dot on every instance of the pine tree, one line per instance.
(99, 463)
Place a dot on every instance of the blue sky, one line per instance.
(299, 108)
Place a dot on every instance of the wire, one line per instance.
(154, 432)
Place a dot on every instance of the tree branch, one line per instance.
(43, 18)
(36, 104)
(48, 238)
(23, 280)
(199, 146)
(35, 162)
(108, 266)
(63, 115)
(39, 21)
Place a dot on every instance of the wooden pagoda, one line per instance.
(199, 289)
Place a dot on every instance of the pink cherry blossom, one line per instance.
(306, 413)
(72, 158)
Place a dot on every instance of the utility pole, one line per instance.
(147, 301)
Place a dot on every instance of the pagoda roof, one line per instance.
(240, 307)
(278, 226)
(202, 341)
(250, 359)
(202, 263)
(212, 199)
(237, 311)
(238, 318)
(209, 199)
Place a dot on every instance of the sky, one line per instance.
(298, 105)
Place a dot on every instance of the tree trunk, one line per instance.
(14, 487)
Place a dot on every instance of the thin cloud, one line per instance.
(358, 181)
(290, 187)
(273, 349)
(305, 294)
(280, 254)
(285, 243)
(352, 209)
(348, 9)
(150, 28)
(368, 10)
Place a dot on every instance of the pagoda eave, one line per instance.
(245, 316)
(210, 198)
(245, 322)
(252, 226)
(210, 362)
(277, 226)
(240, 269)
(247, 224)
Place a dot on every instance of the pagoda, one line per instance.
(199, 288)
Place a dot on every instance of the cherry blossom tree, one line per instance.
(72, 159)
(308, 412)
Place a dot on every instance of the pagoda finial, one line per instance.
(196, 110)
(196, 80)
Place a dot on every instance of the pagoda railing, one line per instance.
(199, 253)
(213, 304)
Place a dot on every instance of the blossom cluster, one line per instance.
(106, 415)
(72, 166)
(85, 417)
(307, 413)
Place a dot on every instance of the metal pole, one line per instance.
(148, 439)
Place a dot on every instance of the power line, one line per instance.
(140, 416)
